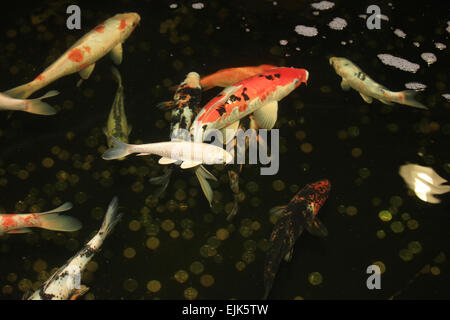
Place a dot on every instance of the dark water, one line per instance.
(388, 137)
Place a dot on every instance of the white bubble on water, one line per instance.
(415, 86)
(446, 96)
(429, 57)
(173, 6)
(315, 13)
(417, 44)
(322, 5)
(198, 5)
(337, 24)
(306, 31)
(283, 42)
(399, 33)
(440, 45)
(398, 63)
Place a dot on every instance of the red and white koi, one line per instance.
(354, 77)
(82, 56)
(257, 95)
(230, 76)
(35, 106)
(65, 283)
(50, 220)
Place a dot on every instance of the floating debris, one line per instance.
(440, 45)
(399, 33)
(385, 215)
(337, 24)
(306, 31)
(398, 63)
(429, 57)
(322, 5)
(190, 293)
(181, 276)
(207, 280)
(424, 181)
(198, 5)
(315, 278)
(415, 86)
(154, 286)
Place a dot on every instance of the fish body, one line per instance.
(63, 284)
(185, 105)
(257, 95)
(354, 77)
(82, 56)
(117, 124)
(50, 220)
(299, 214)
(228, 77)
(35, 106)
(191, 154)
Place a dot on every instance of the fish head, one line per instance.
(342, 66)
(192, 80)
(126, 23)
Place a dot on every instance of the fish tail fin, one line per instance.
(119, 150)
(202, 176)
(21, 92)
(410, 100)
(51, 220)
(111, 218)
(37, 106)
(116, 75)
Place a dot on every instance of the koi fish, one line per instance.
(257, 95)
(117, 124)
(191, 154)
(35, 106)
(228, 77)
(50, 220)
(184, 106)
(299, 214)
(354, 77)
(64, 284)
(82, 56)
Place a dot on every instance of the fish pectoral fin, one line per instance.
(190, 164)
(277, 211)
(130, 127)
(316, 228)
(386, 102)
(266, 116)
(86, 72)
(116, 54)
(19, 231)
(344, 85)
(366, 98)
(79, 292)
(204, 184)
(226, 94)
(205, 173)
(165, 160)
(228, 133)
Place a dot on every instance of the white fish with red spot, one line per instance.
(50, 220)
(82, 56)
(353, 77)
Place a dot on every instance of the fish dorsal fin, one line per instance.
(116, 54)
(143, 154)
(266, 116)
(366, 98)
(190, 164)
(19, 231)
(225, 95)
(86, 72)
(228, 133)
(165, 160)
(344, 85)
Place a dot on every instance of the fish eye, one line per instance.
(296, 81)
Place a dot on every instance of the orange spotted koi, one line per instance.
(50, 220)
(228, 77)
(257, 95)
(82, 56)
(299, 214)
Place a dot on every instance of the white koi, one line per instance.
(354, 77)
(192, 154)
(65, 284)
